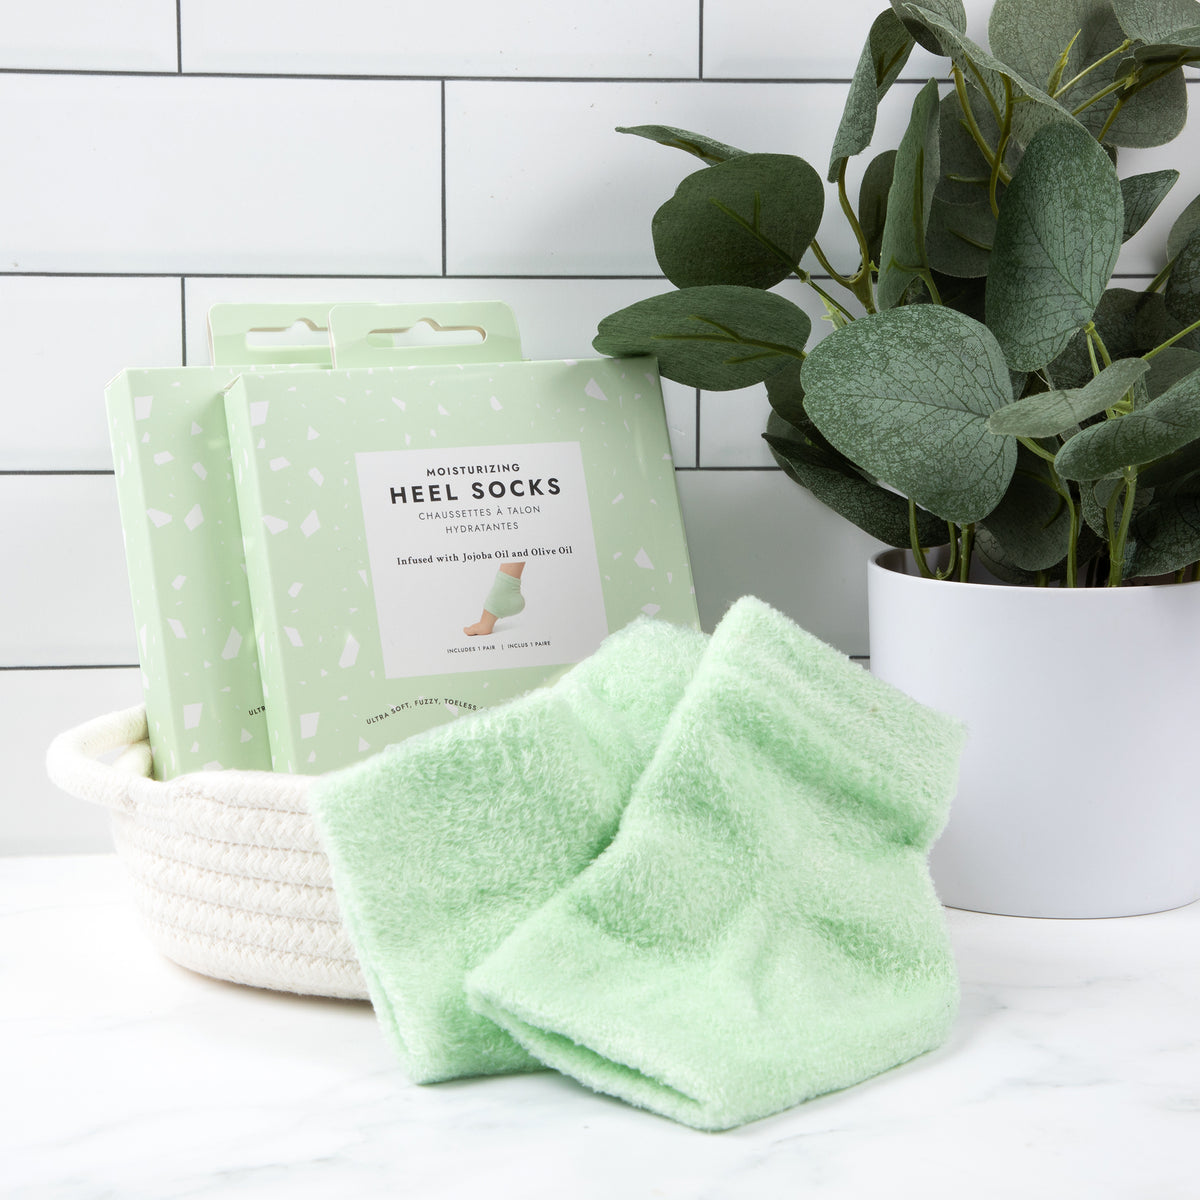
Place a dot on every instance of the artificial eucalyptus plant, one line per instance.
(984, 389)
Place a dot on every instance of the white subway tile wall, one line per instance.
(161, 156)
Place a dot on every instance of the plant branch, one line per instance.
(1001, 146)
(751, 227)
(861, 283)
(968, 545)
(1062, 89)
(915, 541)
(1116, 553)
(1096, 342)
(995, 164)
(1172, 340)
(1160, 278)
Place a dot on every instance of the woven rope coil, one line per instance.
(228, 874)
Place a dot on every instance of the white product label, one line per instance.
(451, 531)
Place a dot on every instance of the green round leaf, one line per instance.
(926, 32)
(959, 238)
(965, 172)
(1157, 20)
(1034, 107)
(1031, 35)
(1186, 224)
(1183, 285)
(1056, 245)
(717, 338)
(1142, 195)
(747, 221)
(906, 395)
(1166, 536)
(873, 197)
(1160, 428)
(838, 486)
(1151, 116)
(1031, 524)
(1048, 414)
(884, 55)
(917, 169)
(702, 147)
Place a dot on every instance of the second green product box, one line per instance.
(426, 539)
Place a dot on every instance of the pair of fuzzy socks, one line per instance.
(690, 874)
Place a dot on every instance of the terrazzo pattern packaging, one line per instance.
(183, 546)
(384, 508)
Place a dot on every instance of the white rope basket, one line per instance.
(228, 874)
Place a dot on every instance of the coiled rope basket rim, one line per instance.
(228, 875)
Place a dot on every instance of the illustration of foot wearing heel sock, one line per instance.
(503, 600)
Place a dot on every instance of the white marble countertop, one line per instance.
(1073, 1072)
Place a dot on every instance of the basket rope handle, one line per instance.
(71, 760)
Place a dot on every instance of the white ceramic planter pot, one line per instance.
(1080, 787)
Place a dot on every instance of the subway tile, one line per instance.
(69, 336)
(65, 598)
(73, 35)
(557, 317)
(512, 207)
(764, 39)
(758, 533)
(167, 174)
(468, 37)
(731, 428)
(38, 817)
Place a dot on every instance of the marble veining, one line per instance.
(1073, 1071)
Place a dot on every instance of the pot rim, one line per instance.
(879, 561)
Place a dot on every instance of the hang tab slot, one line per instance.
(252, 334)
(392, 335)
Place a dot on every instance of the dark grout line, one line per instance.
(444, 239)
(60, 471)
(399, 278)
(179, 37)
(913, 81)
(700, 44)
(72, 667)
(183, 320)
(697, 428)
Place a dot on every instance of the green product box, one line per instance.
(183, 545)
(388, 510)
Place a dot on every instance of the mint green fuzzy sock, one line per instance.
(440, 846)
(505, 599)
(763, 928)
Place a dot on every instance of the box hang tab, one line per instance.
(252, 334)
(369, 335)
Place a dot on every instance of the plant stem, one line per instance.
(987, 91)
(1001, 146)
(915, 541)
(1116, 86)
(1094, 339)
(860, 284)
(1073, 538)
(994, 163)
(1117, 546)
(950, 566)
(1036, 448)
(968, 545)
(835, 275)
(1172, 340)
(1066, 87)
(1160, 278)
